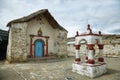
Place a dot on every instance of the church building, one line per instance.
(34, 36)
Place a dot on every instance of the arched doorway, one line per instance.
(83, 46)
(39, 48)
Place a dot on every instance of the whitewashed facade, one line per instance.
(36, 30)
(89, 67)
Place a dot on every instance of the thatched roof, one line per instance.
(43, 12)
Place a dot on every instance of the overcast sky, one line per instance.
(73, 15)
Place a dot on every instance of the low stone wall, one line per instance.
(111, 46)
(109, 50)
(112, 50)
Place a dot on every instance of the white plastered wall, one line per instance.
(91, 39)
(9, 47)
(47, 30)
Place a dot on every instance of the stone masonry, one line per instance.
(18, 36)
(111, 46)
(60, 44)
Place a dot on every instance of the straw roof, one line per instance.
(43, 12)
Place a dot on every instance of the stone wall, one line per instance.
(61, 43)
(17, 42)
(112, 50)
(109, 50)
(111, 46)
(19, 39)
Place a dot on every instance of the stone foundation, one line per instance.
(90, 70)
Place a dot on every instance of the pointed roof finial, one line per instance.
(100, 33)
(88, 27)
(77, 33)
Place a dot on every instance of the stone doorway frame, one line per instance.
(32, 45)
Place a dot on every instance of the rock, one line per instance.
(7, 62)
(68, 78)
(32, 78)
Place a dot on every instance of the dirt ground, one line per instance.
(55, 69)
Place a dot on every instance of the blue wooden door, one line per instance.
(39, 48)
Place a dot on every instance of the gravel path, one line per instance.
(56, 69)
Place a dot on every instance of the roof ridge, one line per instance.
(25, 18)
(43, 12)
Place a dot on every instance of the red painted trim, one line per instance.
(77, 60)
(90, 46)
(77, 47)
(77, 34)
(101, 59)
(34, 50)
(31, 47)
(90, 61)
(86, 58)
(39, 36)
(46, 46)
(89, 35)
(45, 49)
(101, 46)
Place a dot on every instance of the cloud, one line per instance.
(117, 31)
(74, 15)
